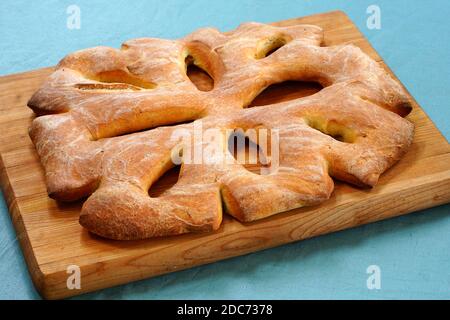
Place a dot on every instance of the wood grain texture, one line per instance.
(52, 238)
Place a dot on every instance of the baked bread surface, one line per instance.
(109, 121)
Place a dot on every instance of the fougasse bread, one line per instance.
(107, 118)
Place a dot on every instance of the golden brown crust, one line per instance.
(98, 97)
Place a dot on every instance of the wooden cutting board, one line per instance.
(52, 239)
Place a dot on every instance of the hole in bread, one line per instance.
(268, 46)
(106, 86)
(247, 152)
(332, 128)
(402, 109)
(165, 182)
(285, 91)
(147, 128)
(198, 76)
(116, 80)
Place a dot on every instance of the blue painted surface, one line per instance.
(413, 252)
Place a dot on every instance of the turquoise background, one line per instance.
(413, 251)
